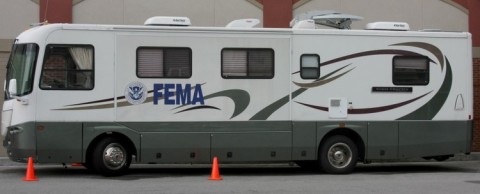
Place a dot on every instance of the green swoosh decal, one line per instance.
(270, 109)
(240, 98)
(432, 107)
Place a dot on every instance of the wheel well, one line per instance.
(124, 139)
(350, 134)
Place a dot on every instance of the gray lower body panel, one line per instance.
(420, 139)
(199, 142)
(246, 141)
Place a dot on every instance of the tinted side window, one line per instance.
(156, 62)
(411, 70)
(68, 67)
(247, 63)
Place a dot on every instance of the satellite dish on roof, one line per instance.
(327, 18)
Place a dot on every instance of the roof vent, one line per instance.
(243, 23)
(304, 24)
(167, 21)
(393, 26)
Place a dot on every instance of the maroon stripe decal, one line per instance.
(373, 52)
(369, 110)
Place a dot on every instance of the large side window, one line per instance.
(310, 66)
(68, 67)
(247, 63)
(163, 62)
(411, 70)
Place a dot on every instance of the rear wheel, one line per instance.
(338, 155)
(111, 157)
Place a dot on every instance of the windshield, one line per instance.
(20, 67)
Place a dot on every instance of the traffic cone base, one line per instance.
(215, 176)
(30, 175)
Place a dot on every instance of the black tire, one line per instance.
(338, 155)
(89, 165)
(111, 157)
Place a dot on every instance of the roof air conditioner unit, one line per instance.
(393, 26)
(167, 21)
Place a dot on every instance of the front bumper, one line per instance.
(20, 142)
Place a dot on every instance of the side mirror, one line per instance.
(12, 87)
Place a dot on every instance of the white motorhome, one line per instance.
(110, 95)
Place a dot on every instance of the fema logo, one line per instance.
(136, 93)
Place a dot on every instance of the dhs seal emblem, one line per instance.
(136, 93)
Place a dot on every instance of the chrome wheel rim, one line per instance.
(114, 156)
(339, 155)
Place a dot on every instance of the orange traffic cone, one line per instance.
(30, 175)
(215, 172)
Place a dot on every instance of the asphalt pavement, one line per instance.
(392, 178)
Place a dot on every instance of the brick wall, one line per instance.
(476, 99)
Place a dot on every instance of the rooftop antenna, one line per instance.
(46, 11)
(328, 18)
(45, 21)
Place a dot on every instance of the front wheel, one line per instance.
(111, 157)
(338, 155)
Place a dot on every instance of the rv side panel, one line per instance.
(59, 142)
(200, 104)
(426, 138)
(382, 140)
(304, 142)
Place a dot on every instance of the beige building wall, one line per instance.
(135, 12)
(424, 14)
(16, 16)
